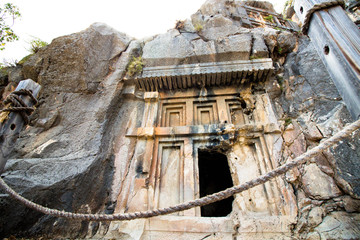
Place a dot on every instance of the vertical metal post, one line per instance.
(11, 127)
(337, 41)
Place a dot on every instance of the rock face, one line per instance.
(99, 143)
(67, 145)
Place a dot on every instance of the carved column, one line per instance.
(143, 154)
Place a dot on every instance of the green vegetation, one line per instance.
(279, 50)
(253, 57)
(288, 121)
(8, 13)
(269, 18)
(3, 70)
(24, 59)
(198, 27)
(135, 66)
(36, 44)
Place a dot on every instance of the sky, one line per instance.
(49, 19)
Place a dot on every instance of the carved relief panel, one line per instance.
(226, 119)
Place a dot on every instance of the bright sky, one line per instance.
(47, 19)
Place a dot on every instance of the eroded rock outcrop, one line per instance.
(67, 147)
(99, 143)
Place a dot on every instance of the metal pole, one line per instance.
(337, 41)
(12, 126)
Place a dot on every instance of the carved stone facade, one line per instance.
(175, 129)
(211, 109)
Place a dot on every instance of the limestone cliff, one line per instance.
(97, 132)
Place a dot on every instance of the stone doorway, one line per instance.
(214, 176)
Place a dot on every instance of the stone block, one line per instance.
(204, 51)
(235, 47)
(259, 48)
(170, 48)
(317, 184)
(218, 27)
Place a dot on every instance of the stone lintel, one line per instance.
(151, 96)
(186, 76)
(212, 129)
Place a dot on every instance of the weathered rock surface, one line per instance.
(74, 156)
(64, 159)
(318, 184)
(339, 225)
(315, 216)
(77, 62)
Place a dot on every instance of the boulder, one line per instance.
(77, 62)
(317, 184)
(218, 27)
(171, 48)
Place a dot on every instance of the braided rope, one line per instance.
(318, 7)
(28, 93)
(197, 202)
(19, 105)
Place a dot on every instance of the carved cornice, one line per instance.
(161, 78)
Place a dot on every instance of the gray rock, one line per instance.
(351, 204)
(188, 26)
(270, 38)
(65, 162)
(44, 172)
(261, 4)
(345, 159)
(218, 27)
(317, 184)
(313, 236)
(340, 225)
(286, 41)
(15, 75)
(204, 51)
(213, 7)
(259, 48)
(49, 119)
(331, 117)
(71, 63)
(315, 216)
(235, 47)
(171, 48)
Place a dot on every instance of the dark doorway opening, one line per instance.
(214, 176)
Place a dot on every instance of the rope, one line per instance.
(318, 7)
(19, 105)
(197, 202)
